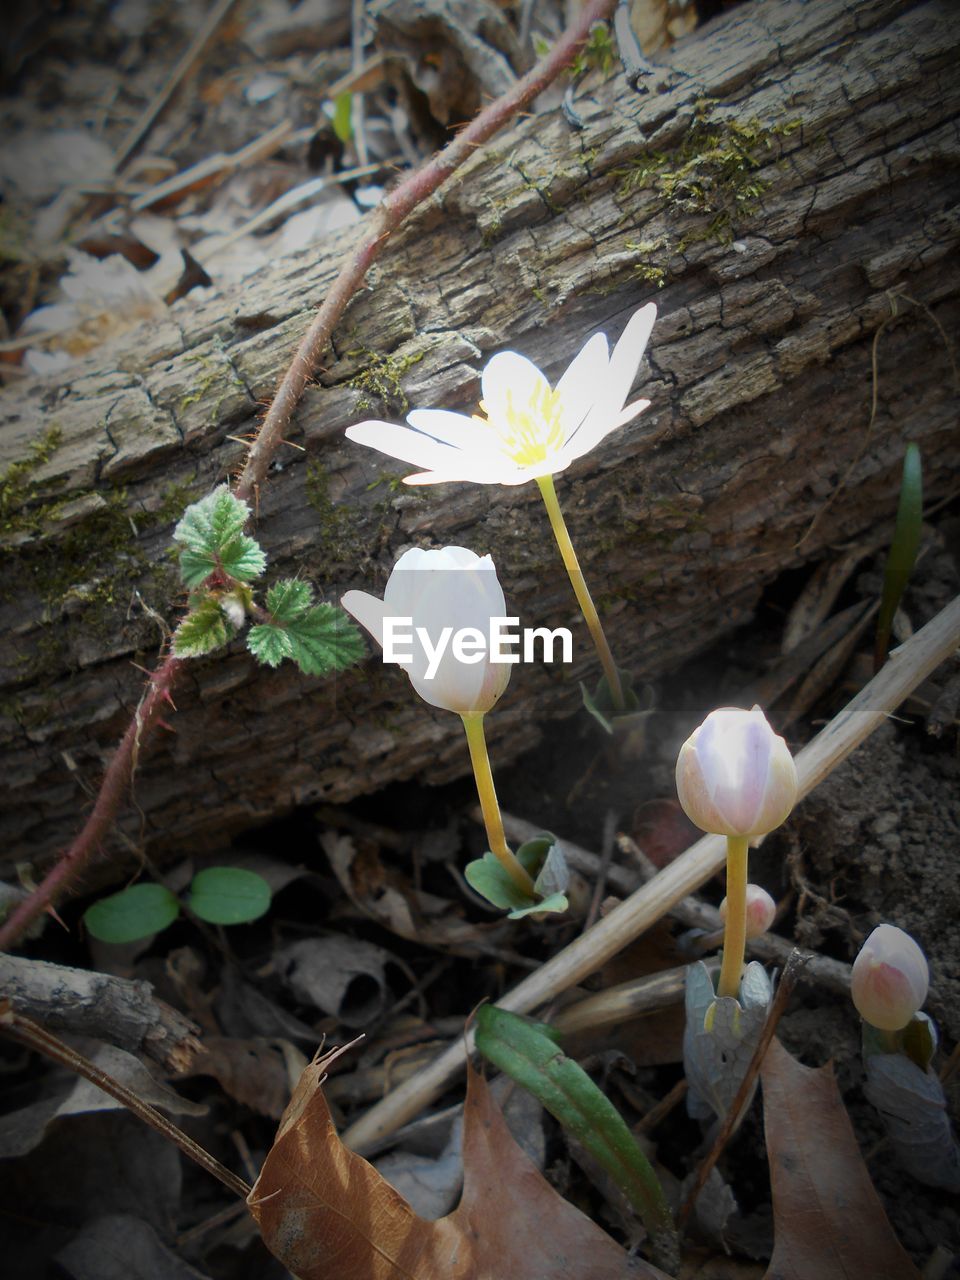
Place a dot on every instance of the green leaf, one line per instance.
(196, 567)
(213, 522)
(342, 122)
(243, 558)
(903, 550)
(229, 895)
(132, 914)
(289, 599)
(269, 644)
(532, 1058)
(324, 640)
(493, 882)
(204, 629)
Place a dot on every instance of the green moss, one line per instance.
(379, 380)
(649, 271)
(338, 527)
(712, 173)
(18, 487)
(83, 571)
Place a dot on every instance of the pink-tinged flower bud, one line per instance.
(890, 978)
(760, 912)
(735, 776)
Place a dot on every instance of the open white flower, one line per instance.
(525, 430)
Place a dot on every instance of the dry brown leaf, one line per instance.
(325, 1211)
(829, 1223)
(254, 1071)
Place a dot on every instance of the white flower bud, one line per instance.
(735, 776)
(890, 978)
(760, 911)
(443, 593)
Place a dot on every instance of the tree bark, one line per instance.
(787, 193)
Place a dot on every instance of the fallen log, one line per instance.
(788, 194)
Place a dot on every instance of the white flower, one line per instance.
(735, 776)
(445, 591)
(525, 430)
(889, 979)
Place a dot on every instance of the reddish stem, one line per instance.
(395, 208)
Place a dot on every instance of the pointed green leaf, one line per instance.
(204, 629)
(229, 895)
(522, 1050)
(132, 914)
(289, 599)
(243, 558)
(269, 644)
(342, 122)
(324, 640)
(903, 550)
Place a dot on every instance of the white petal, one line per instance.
(368, 611)
(624, 363)
(402, 443)
(455, 429)
(584, 378)
(592, 432)
(510, 376)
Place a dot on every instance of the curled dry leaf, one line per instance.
(325, 1211)
(827, 1218)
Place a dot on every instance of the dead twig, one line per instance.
(396, 207)
(117, 1010)
(35, 1037)
(732, 1118)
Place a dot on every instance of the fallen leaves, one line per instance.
(325, 1211)
(829, 1223)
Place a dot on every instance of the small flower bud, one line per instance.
(890, 978)
(234, 609)
(761, 910)
(735, 776)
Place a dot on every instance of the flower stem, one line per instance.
(584, 599)
(491, 808)
(735, 934)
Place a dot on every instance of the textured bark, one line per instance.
(775, 284)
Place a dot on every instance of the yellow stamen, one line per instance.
(529, 432)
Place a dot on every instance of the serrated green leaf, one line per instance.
(203, 630)
(229, 895)
(213, 522)
(243, 558)
(324, 640)
(523, 1051)
(196, 567)
(269, 644)
(132, 914)
(289, 599)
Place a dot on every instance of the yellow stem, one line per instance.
(584, 599)
(735, 933)
(492, 820)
